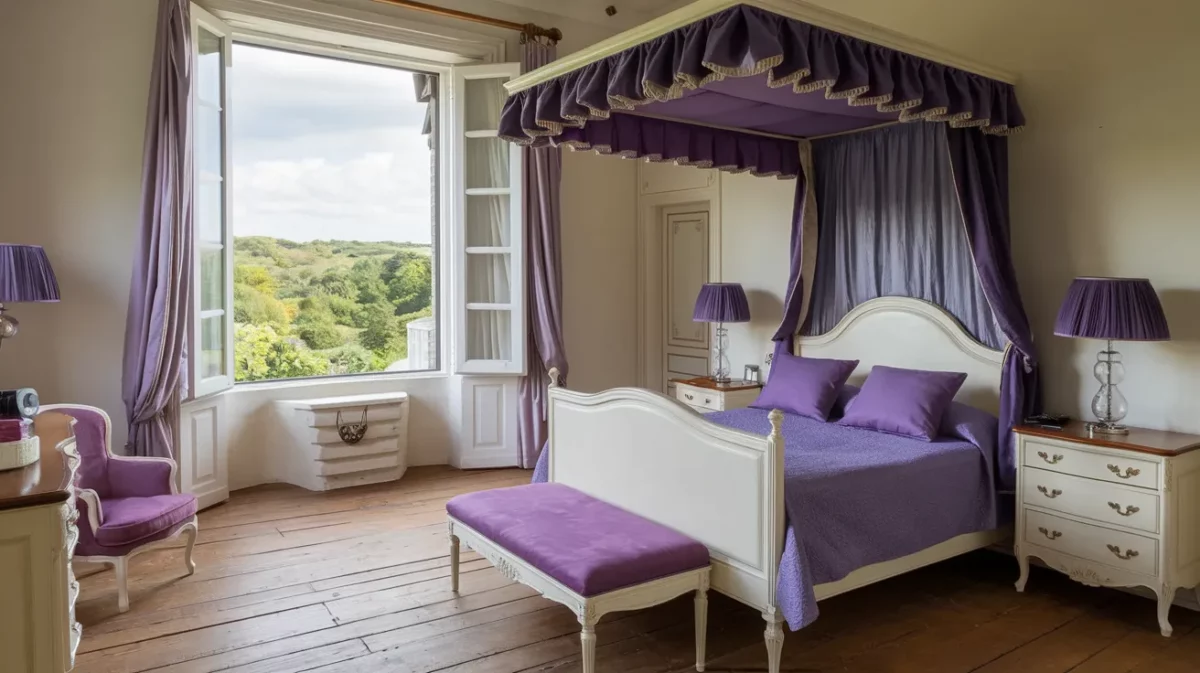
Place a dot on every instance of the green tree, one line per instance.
(410, 288)
(381, 330)
(337, 283)
(367, 275)
(257, 277)
(260, 353)
(350, 359)
(253, 306)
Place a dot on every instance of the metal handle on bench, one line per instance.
(1129, 553)
(688, 396)
(1129, 471)
(1046, 457)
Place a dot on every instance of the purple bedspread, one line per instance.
(856, 497)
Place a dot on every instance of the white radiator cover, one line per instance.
(318, 459)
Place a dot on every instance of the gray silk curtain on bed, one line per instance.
(543, 263)
(890, 225)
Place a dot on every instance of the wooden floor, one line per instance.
(356, 581)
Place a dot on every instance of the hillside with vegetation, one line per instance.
(325, 307)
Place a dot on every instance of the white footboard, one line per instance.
(650, 455)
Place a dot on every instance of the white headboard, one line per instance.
(914, 334)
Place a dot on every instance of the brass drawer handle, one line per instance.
(1048, 493)
(688, 396)
(1046, 457)
(1129, 553)
(707, 401)
(1129, 511)
(1129, 471)
(1050, 535)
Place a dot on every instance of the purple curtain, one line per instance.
(160, 296)
(793, 303)
(981, 175)
(744, 41)
(660, 140)
(890, 225)
(543, 260)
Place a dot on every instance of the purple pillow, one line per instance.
(904, 401)
(804, 386)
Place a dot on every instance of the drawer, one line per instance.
(1118, 469)
(1090, 499)
(1118, 549)
(699, 397)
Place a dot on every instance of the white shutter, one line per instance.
(211, 347)
(489, 287)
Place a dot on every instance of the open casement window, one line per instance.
(490, 292)
(211, 346)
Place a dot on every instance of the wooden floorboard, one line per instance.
(289, 581)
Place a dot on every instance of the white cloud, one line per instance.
(327, 149)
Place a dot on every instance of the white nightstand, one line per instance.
(706, 395)
(1111, 510)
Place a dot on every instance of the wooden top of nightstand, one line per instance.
(1142, 440)
(709, 384)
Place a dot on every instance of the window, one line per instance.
(319, 202)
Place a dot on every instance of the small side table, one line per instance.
(1111, 510)
(706, 395)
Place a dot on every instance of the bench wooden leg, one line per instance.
(587, 638)
(454, 563)
(701, 626)
(774, 637)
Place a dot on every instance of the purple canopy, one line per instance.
(683, 74)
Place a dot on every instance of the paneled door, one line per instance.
(685, 269)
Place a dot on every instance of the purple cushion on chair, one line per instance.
(588, 545)
(804, 386)
(907, 402)
(128, 520)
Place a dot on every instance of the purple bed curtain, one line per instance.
(160, 295)
(543, 259)
(744, 41)
(890, 225)
(981, 175)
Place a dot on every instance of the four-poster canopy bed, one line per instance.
(743, 87)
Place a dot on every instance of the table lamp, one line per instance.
(1113, 309)
(25, 276)
(722, 303)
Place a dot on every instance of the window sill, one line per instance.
(318, 383)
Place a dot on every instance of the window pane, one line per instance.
(334, 197)
(208, 68)
(487, 162)
(212, 346)
(210, 211)
(486, 98)
(487, 220)
(208, 140)
(212, 279)
(489, 335)
(488, 279)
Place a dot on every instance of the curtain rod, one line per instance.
(527, 30)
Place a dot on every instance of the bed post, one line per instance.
(773, 635)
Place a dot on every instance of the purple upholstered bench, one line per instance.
(582, 552)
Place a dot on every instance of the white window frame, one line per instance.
(516, 244)
(450, 306)
(203, 386)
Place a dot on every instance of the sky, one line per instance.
(326, 149)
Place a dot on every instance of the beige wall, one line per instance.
(599, 241)
(1104, 179)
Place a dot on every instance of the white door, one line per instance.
(685, 252)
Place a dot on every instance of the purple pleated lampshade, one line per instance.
(722, 302)
(25, 274)
(1121, 309)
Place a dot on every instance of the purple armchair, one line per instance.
(125, 504)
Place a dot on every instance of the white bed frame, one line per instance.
(651, 455)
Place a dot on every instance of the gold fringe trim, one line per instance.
(607, 150)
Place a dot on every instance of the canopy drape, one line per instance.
(744, 41)
(660, 140)
(981, 177)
